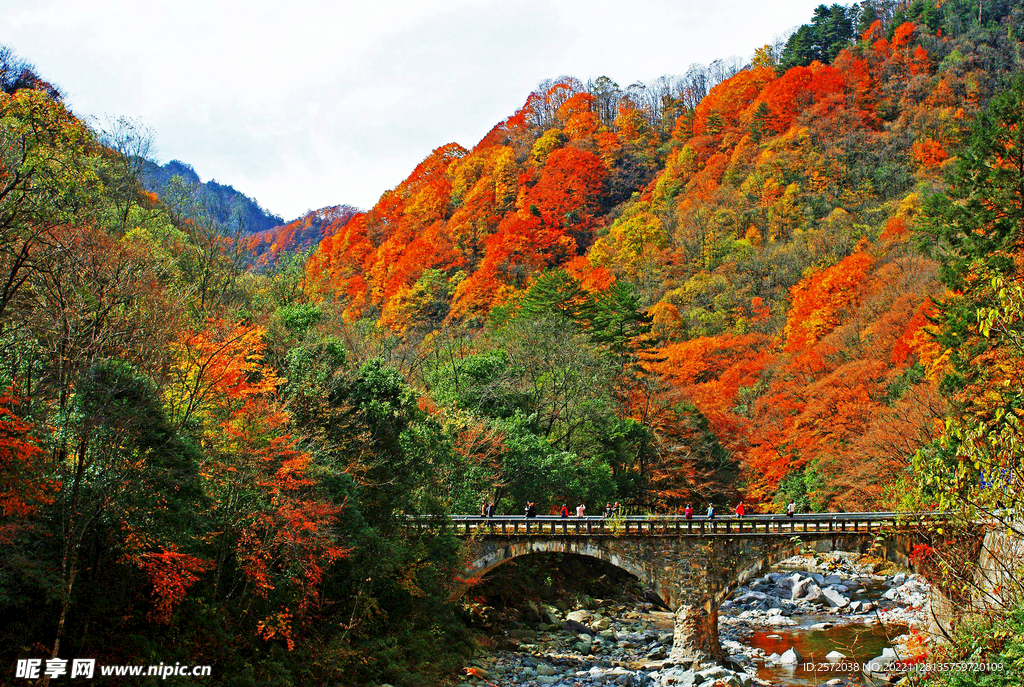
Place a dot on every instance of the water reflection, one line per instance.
(858, 642)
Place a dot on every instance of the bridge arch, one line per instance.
(490, 557)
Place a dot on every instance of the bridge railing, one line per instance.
(676, 525)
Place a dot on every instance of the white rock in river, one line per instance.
(899, 578)
(781, 621)
(790, 657)
(834, 598)
(834, 656)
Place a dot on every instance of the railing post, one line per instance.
(590, 527)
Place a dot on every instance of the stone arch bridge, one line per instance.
(692, 564)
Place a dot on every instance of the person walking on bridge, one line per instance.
(492, 508)
(580, 510)
(711, 511)
(740, 510)
(565, 511)
(530, 510)
(688, 512)
(791, 508)
(483, 509)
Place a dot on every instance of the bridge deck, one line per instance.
(678, 526)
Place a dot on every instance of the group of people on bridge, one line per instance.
(487, 510)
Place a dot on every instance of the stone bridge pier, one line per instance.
(693, 575)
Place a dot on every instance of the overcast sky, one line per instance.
(309, 103)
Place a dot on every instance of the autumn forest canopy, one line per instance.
(795, 277)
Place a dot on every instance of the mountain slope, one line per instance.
(299, 235)
(230, 208)
(765, 229)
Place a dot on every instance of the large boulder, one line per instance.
(813, 593)
(790, 657)
(805, 587)
(581, 616)
(785, 585)
(750, 598)
(834, 598)
(532, 613)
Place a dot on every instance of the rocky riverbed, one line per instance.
(625, 639)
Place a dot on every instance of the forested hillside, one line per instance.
(301, 235)
(231, 208)
(764, 306)
(793, 279)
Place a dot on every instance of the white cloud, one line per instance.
(307, 104)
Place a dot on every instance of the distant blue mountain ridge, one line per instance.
(227, 206)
